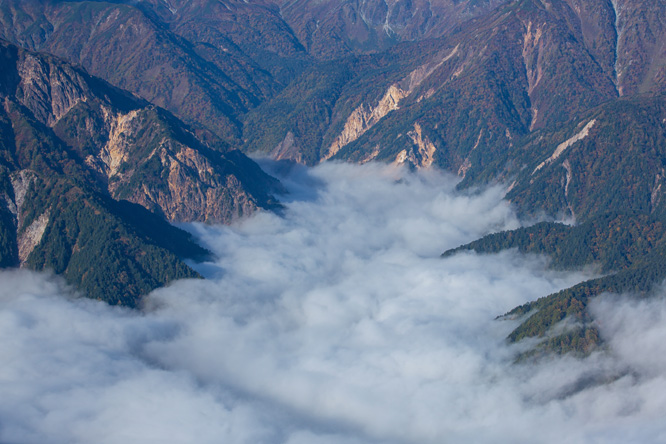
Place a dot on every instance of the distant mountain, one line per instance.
(206, 61)
(80, 160)
(332, 29)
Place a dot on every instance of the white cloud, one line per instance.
(336, 323)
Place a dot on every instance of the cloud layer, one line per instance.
(336, 322)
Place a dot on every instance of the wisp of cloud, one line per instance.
(334, 322)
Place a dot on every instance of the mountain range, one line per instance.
(138, 112)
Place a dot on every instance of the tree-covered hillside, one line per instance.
(91, 175)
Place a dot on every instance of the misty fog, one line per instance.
(335, 321)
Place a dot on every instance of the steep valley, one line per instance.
(471, 201)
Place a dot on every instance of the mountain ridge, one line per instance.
(92, 173)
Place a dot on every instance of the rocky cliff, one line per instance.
(137, 151)
(78, 155)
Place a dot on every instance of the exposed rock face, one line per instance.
(466, 165)
(140, 153)
(566, 144)
(27, 237)
(534, 64)
(364, 117)
(118, 147)
(194, 190)
(424, 154)
(287, 149)
(48, 93)
(30, 236)
(21, 181)
(191, 186)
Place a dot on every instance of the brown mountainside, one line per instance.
(179, 61)
(471, 94)
(78, 155)
(336, 28)
(136, 151)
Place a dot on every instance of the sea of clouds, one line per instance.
(334, 322)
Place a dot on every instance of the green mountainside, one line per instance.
(611, 184)
(55, 218)
(628, 249)
(615, 164)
